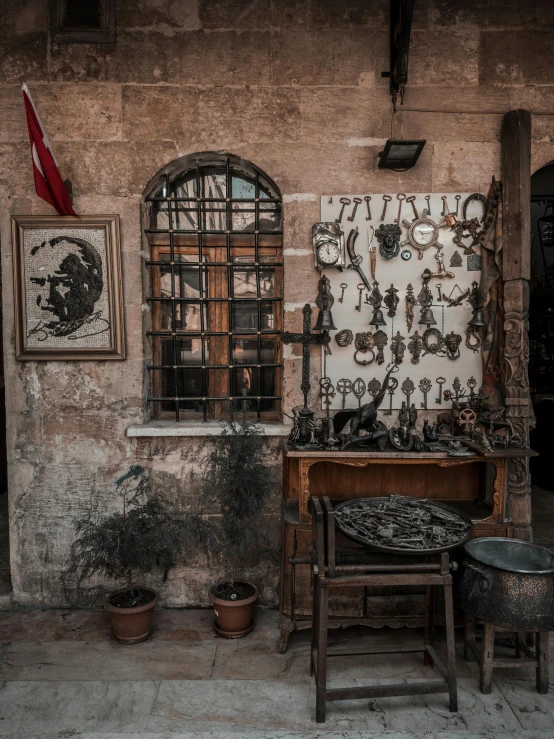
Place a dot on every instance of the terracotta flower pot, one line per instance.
(132, 625)
(234, 618)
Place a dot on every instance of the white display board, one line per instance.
(341, 364)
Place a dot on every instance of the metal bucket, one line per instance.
(507, 582)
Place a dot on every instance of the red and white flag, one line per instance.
(48, 181)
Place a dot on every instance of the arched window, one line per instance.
(216, 272)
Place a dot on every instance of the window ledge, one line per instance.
(170, 428)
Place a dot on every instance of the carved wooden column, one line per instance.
(516, 272)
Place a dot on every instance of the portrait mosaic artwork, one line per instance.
(68, 287)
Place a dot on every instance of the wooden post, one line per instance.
(516, 271)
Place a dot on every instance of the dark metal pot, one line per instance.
(507, 582)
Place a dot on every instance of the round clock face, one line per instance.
(328, 253)
(424, 233)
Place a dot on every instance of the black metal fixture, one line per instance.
(546, 227)
(400, 155)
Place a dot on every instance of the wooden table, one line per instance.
(475, 485)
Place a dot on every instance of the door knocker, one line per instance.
(344, 337)
(473, 339)
(380, 339)
(452, 343)
(398, 347)
(433, 342)
(364, 343)
(388, 236)
(415, 347)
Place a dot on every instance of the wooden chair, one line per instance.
(328, 573)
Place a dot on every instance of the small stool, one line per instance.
(327, 575)
(487, 661)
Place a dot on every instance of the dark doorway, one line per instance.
(541, 356)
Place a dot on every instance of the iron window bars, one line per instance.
(203, 197)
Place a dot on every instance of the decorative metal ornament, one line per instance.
(393, 384)
(324, 302)
(327, 391)
(473, 339)
(467, 419)
(375, 299)
(358, 388)
(425, 385)
(408, 388)
(405, 255)
(455, 302)
(452, 343)
(415, 347)
(344, 338)
(380, 338)
(344, 386)
(412, 414)
(474, 263)
(456, 259)
(422, 233)
(401, 437)
(425, 299)
(364, 343)
(441, 273)
(398, 347)
(373, 386)
(410, 303)
(391, 300)
(388, 236)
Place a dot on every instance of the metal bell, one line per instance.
(325, 321)
(477, 319)
(378, 319)
(427, 317)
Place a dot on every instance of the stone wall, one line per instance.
(295, 87)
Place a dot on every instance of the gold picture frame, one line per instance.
(68, 288)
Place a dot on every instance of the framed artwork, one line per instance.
(68, 293)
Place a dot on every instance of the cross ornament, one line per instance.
(307, 339)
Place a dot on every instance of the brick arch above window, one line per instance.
(213, 226)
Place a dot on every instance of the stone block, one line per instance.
(516, 58)
(320, 57)
(364, 162)
(16, 170)
(291, 14)
(226, 58)
(19, 16)
(23, 57)
(542, 128)
(534, 99)
(541, 153)
(298, 217)
(13, 125)
(300, 279)
(147, 57)
(497, 14)
(74, 436)
(172, 14)
(296, 167)
(215, 118)
(346, 14)
(114, 167)
(481, 99)
(447, 127)
(79, 113)
(465, 166)
(437, 60)
(344, 113)
(235, 14)
(128, 209)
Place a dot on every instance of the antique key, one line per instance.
(458, 198)
(356, 202)
(344, 386)
(358, 388)
(408, 388)
(361, 288)
(400, 197)
(440, 382)
(439, 288)
(428, 199)
(424, 386)
(345, 202)
(393, 384)
(472, 384)
(343, 287)
(445, 208)
(387, 199)
(411, 200)
(367, 199)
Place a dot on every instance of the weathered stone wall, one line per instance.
(294, 86)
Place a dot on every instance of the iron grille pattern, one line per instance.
(195, 207)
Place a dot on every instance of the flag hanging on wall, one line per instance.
(48, 181)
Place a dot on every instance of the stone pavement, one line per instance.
(63, 676)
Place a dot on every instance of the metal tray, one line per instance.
(430, 504)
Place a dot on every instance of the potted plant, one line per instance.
(146, 535)
(236, 476)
